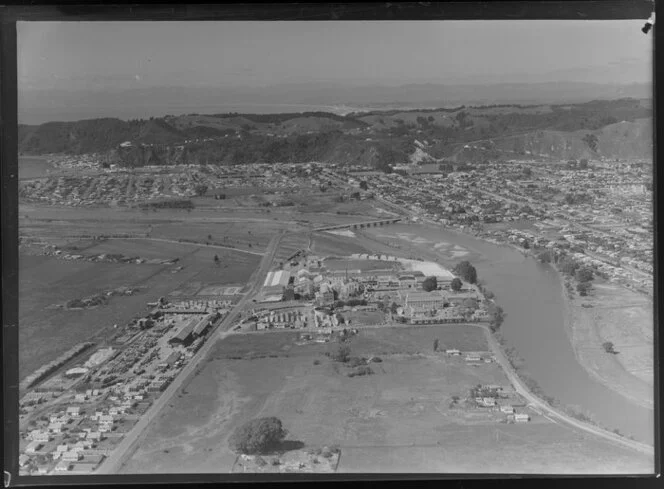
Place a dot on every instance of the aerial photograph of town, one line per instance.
(335, 247)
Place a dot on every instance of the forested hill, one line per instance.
(610, 129)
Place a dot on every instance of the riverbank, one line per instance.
(535, 311)
(611, 313)
(627, 326)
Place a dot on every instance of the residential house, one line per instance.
(72, 456)
(63, 466)
(74, 410)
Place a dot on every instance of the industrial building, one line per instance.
(423, 301)
(275, 283)
(184, 336)
(277, 278)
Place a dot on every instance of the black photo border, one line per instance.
(424, 11)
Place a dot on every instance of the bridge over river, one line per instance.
(358, 225)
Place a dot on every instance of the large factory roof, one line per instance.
(280, 277)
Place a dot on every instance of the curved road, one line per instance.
(513, 377)
(543, 406)
(129, 443)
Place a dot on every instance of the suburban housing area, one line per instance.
(181, 299)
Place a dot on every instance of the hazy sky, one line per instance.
(135, 54)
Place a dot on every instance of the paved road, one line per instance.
(127, 446)
(199, 244)
(534, 402)
(259, 253)
(545, 408)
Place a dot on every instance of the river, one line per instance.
(530, 293)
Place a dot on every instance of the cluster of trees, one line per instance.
(591, 141)
(201, 189)
(430, 283)
(456, 284)
(466, 271)
(258, 436)
(584, 275)
(496, 317)
(546, 256)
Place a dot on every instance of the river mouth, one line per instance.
(530, 293)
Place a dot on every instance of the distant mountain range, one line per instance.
(38, 106)
(609, 129)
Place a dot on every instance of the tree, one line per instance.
(583, 288)
(393, 308)
(526, 244)
(363, 185)
(591, 141)
(430, 283)
(568, 266)
(466, 271)
(496, 317)
(608, 347)
(456, 284)
(545, 256)
(258, 436)
(216, 260)
(200, 190)
(435, 344)
(584, 274)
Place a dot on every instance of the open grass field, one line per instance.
(329, 244)
(364, 265)
(624, 318)
(46, 333)
(137, 247)
(397, 420)
(43, 281)
(249, 232)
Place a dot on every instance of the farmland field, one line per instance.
(43, 281)
(329, 244)
(398, 419)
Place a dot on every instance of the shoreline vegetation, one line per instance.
(572, 325)
(516, 361)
